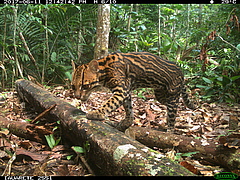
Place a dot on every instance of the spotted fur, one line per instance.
(124, 72)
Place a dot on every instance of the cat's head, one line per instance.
(85, 79)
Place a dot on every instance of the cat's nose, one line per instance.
(77, 95)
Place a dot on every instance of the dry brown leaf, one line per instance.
(3, 154)
(190, 167)
(207, 173)
(25, 144)
(217, 117)
(34, 156)
(150, 115)
(206, 116)
(63, 170)
(209, 128)
(137, 121)
(143, 116)
(171, 154)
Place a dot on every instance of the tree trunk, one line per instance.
(208, 150)
(103, 29)
(159, 29)
(4, 72)
(15, 9)
(80, 38)
(111, 152)
(46, 55)
(136, 29)
(129, 19)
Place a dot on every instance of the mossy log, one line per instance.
(110, 151)
(208, 150)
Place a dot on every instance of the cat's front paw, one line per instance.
(95, 115)
(122, 125)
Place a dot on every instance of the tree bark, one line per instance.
(208, 150)
(25, 130)
(103, 29)
(110, 152)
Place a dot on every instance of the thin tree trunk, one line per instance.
(46, 55)
(199, 23)
(15, 8)
(103, 29)
(136, 36)
(187, 24)
(80, 38)
(129, 19)
(200, 16)
(3, 52)
(159, 29)
(79, 46)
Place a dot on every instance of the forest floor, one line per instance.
(20, 156)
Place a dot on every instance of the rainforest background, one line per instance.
(203, 39)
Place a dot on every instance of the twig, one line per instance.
(34, 81)
(8, 168)
(228, 43)
(229, 16)
(43, 113)
(86, 164)
(82, 158)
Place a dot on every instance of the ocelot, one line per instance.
(123, 72)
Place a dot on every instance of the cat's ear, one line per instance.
(93, 66)
(74, 65)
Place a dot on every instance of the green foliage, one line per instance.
(188, 154)
(82, 150)
(142, 92)
(52, 35)
(220, 82)
(78, 149)
(220, 88)
(58, 33)
(51, 140)
(27, 120)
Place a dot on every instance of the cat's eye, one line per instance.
(85, 87)
(73, 87)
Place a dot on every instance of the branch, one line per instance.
(25, 130)
(208, 150)
(28, 51)
(228, 43)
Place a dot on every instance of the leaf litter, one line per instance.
(21, 157)
(209, 121)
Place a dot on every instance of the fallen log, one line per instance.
(110, 152)
(25, 130)
(208, 150)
